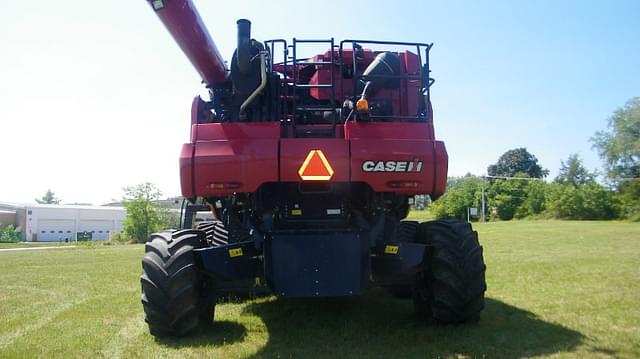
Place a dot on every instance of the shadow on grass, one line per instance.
(218, 334)
(376, 325)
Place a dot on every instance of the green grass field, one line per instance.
(556, 289)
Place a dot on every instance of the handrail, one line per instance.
(263, 83)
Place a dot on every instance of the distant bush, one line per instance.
(87, 243)
(523, 198)
(629, 199)
(461, 193)
(9, 234)
(121, 238)
(534, 203)
(589, 201)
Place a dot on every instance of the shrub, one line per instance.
(121, 238)
(9, 234)
(461, 193)
(589, 201)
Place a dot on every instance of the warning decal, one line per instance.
(315, 167)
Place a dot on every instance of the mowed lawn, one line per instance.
(556, 289)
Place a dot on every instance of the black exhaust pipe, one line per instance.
(244, 46)
(245, 64)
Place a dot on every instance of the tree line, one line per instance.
(514, 186)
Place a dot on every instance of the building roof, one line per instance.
(12, 205)
(75, 206)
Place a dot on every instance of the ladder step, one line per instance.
(404, 77)
(314, 41)
(315, 86)
(316, 108)
(315, 132)
(315, 63)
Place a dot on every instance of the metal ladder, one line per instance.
(303, 108)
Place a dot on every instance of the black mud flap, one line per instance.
(235, 261)
(317, 264)
(397, 263)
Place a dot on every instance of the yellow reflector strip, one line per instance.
(235, 252)
(391, 249)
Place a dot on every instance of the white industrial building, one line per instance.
(55, 223)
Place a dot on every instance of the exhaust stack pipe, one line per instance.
(183, 22)
(244, 46)
(247, 70)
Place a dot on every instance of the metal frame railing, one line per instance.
(290, 114)
(425, 80)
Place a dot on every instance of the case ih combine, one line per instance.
(308, 165)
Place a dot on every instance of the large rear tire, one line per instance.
(175, 296)
(452, 289)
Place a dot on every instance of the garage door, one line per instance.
(56, 230)
(99, 229)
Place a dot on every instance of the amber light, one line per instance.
(403, 184)
(225, 185)
(362, 105)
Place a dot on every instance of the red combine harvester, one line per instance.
(309, 166)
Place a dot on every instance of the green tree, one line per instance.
(517, 160)
(589, 201)
(534, 203)
(462, 193)
(574, 173)
(564, 202)
(507, 195)
(629, 197)
(143, 214)
(599, 202)
(619, 148)
(48, 198)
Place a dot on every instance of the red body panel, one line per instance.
(389, 130)
(248, 155)
(245, 155)
(246, 163)
(394, 151)
(186, 170)
(441, 170)
(234, 131)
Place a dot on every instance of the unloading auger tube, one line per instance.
(182, 20)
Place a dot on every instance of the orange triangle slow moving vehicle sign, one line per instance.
(315, 167)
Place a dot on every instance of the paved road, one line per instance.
(33, 248)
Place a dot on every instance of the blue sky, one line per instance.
(95, 96)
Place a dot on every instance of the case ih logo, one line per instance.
(392, 166)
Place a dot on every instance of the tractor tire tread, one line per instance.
(452, 291)
(171, 284)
